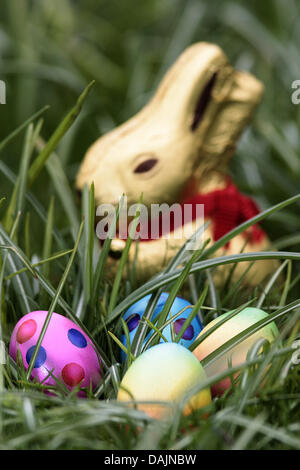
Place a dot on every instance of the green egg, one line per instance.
(238, 354)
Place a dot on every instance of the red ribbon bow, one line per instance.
(228, 208)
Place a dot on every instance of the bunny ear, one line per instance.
(203, 98)
(227, 117)
(187, 88)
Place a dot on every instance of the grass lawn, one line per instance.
(49, 254)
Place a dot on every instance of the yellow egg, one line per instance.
(238, 354)
(164, 373)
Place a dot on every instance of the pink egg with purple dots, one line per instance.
(66, 352)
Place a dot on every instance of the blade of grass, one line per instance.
(232, 270)
(21, 284)
(17, 199)
(128, 344)
(236, 285)
(139, 337)
(105, 250)
(19, 129)
(270, 431)
(62, 186)
(2, 271)
(88, 201)
(286, 284)
(40, 263)
(58, 134)
(270, 284)
(158, 331)
(47, 245)
(215, 303)
(25, 158)
(33, 202)
(181, 255)
(124, 258)
(27, 235)
(121, 346)
(192, 315)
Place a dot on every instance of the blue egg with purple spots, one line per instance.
(134, 314)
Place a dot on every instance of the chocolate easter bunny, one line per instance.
(177, 148)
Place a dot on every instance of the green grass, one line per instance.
(50, 257)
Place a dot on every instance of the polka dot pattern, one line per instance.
(133, 321)
(66, 351)
(26, 331)
(189, 332)
(72, 374)
(77, 338)
(41, 357)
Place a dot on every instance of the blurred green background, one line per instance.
(50, 50)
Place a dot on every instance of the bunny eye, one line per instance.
(146, 165)
(203, 102)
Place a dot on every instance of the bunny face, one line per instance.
(189, 128)
(123, 167)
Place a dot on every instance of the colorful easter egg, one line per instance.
(238, 354)
(164, 373)
(66, 351)
(134, 314)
